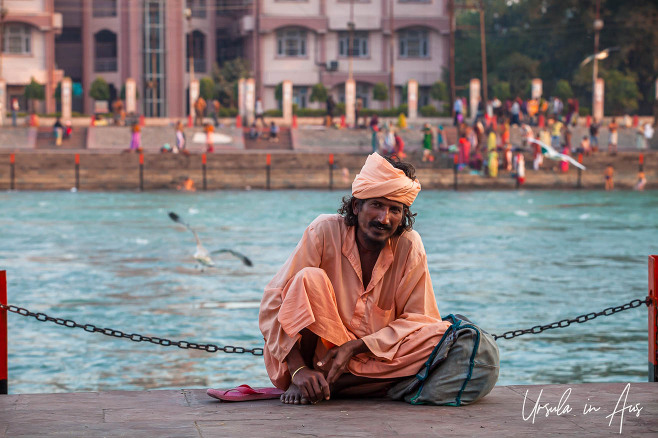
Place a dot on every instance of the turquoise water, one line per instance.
(508, 260)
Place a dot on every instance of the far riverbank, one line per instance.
(99, 170)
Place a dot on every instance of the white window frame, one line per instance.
(291, 42)
(360, 44)
(408, 38)
(17, 39)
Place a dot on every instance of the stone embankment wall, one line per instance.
(289, 170)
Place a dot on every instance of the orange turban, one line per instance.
(379, 179)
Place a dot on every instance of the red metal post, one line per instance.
(268, 162)
(653, 318)
(12, 172)
(203, 168)
(77, 171)
(331, 171)
(3, 334)
(141, 172)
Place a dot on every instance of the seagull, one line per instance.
(599, 56)
(202, 255)
(551, 153)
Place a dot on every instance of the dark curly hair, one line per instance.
(408, 217)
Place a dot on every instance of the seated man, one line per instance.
(352, 311)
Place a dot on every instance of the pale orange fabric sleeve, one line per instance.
(416, 309)
(306, 254)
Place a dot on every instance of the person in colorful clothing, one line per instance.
(427, 143)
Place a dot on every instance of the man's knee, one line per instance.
(311, 274)
(315, 281)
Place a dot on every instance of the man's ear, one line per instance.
(356, 206)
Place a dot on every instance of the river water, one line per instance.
(508, 260)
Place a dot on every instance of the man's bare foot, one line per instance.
(293, 396)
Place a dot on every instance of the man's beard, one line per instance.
(377, 243)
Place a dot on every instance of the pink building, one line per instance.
(28, 47)
(149, 41)
(304, 41)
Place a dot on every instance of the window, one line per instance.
(291, 42)
(105, 45)
(299, 96)
(198, 8)
(104, 8)
(17, 39)
(69, 35)
(359, 44)
(413, 43)
(232, 7)
(198, 47)
(363, 93)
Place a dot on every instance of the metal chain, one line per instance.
(579, 319)
(210, 348)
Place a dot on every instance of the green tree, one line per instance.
(558, 34)
(318, 93)
(99, 90)
(563, 90)
(380, 92)
(34, 91)
(207, 88)
(517, 69)
(226, 79)
(501, 90)
(621, 92)
(278, 92)
(439, 91)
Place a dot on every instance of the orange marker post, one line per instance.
(4, 387)
(203, 168)
(77, 171)
(12, 171)
(331, 172)
(141, 172)
(653, 318)
(580, 172)
(641, 163)
(268, 165)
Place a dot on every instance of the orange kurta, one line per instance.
(320, 287)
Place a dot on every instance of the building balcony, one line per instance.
(199, 65)
(105, 64)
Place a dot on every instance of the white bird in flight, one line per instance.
(601, 55)
(551, 153)
(202, 255)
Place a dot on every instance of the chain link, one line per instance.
(579, 319)
(212, 348)
(91, 328)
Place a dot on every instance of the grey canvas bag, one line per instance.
(461, 369)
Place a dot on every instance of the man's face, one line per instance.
(378, 219)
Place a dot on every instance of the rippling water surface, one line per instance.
(508, 260)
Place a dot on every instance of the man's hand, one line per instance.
(336, 360)
(312, 384)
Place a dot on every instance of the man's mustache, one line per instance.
(378, 224)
